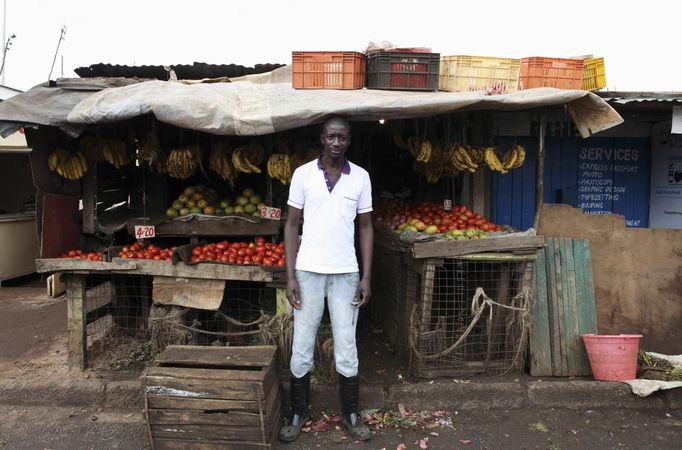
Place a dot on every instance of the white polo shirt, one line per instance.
(328, 241)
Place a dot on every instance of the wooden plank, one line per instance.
(223, 226)
(219, 390)
(224, 432)
(200, 417)
(187, 444)
(426, 297)
(560, 303)
(570, 333)
(252, 356)
(540, 347)
(553, 313)
(205, 270)
(448, 248)
(205, 374)
(189, 292)
(165, 402)
(587, 314)
(76, 326)
(47, 265)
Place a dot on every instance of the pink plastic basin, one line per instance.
(612, 357)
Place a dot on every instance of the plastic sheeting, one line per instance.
(266, 103)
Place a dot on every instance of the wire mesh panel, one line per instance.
(124, 329)
(469, 316)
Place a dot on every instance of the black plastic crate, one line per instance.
(403, 71)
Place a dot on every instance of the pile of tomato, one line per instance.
(396, 212)
(80, 254)
(139, 251)
(258, 252)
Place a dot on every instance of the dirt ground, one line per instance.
(33, 335)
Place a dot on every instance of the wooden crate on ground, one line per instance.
(213, 398)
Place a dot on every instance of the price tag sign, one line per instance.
(447, 204)
(267, 212)
(144, 231)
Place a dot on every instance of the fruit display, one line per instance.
(432, 218)
(200, 199)
(139, 251)
(80, 254)
(69, 165)
(114, 151)
(258, 252)
(183, 162)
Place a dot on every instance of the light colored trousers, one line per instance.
(340, 291)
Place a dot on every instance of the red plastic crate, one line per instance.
(328, 70)
(403, 71)
(558, 73)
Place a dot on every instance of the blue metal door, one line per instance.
(598, 175)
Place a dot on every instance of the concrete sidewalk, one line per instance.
(422, 395)
(33, 372)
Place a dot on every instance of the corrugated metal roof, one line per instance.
(623, 98)
(195, 71)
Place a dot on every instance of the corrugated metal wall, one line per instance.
(599, 175)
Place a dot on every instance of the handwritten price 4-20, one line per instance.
(266, 212)
(145, 231)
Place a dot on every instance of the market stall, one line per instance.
(201, 170)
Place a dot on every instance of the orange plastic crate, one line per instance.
(328, 70)
(558, 73)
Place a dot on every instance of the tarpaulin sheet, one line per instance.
(266, 103)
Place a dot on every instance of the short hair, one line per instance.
(336, 119)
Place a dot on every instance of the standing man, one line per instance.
(329, 193)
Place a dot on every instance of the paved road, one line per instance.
(57, 428)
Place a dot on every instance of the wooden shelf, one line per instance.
(226, 226)
(443, 248)
(207, 271)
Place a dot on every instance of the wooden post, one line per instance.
(76, 326)
(539, 171)
(90, 195)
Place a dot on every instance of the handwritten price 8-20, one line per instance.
(267, 212)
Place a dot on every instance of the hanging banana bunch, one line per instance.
(246, 159)
(514, 158)
(493, 161)
(279, 167)
(114, 151)
(221, 163)
(183, 162)
(149, 148)
(461, 158)
(71, 166)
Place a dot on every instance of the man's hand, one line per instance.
(293, 293)
(363, 292)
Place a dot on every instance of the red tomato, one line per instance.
(267, 261)
(260, 240)
(240, 260)
(281, 263)
(249, 251)
(232, 258)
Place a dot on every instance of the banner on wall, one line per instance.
(665, 204)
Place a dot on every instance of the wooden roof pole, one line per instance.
(539, 171)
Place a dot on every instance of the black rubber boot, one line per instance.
(300, 397)
(349, 392)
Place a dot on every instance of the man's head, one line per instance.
(335, 137)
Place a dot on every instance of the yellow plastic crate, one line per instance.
(461, 73)
(594, 74)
